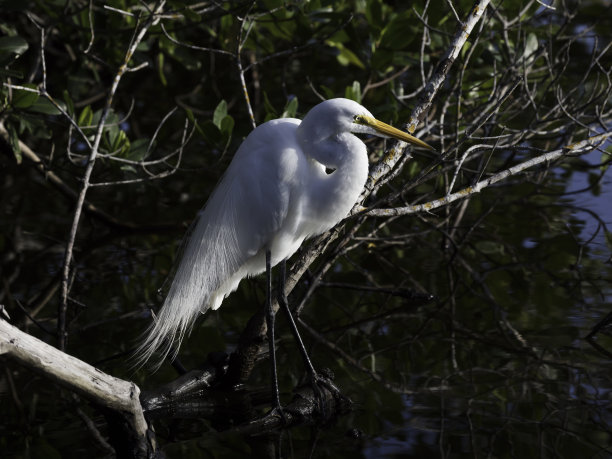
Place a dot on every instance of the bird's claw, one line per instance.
(319, 382)
(278, 412)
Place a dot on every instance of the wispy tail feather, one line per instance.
(163, 336)
(210, 257)
(189, 293)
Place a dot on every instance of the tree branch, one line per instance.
(425, 100)
(63, 307)
(102, 389)
(571, 150)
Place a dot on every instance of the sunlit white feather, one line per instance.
(274, 194)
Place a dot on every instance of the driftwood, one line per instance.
(113, 395)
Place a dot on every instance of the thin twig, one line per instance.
(427, 96)
(571, 150)
(245, 91)
(138, 36)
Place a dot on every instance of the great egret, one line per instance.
(275, 193)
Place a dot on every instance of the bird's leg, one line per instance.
(282, 300)
(270, 317)
(315, 378)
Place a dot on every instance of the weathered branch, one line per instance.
(117, 395)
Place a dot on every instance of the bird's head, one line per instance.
(336, 116)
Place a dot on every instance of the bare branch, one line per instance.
(138, 36)
(571, 150)
(428, 94)
(77, 376)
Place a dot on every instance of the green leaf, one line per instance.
(209, 131)
(138, 150)
(353, 92)
(594, 183)
(69, 102)
(489, 247)
(192, 118)
(398, 34)
(34, 125)
(86, 117)
(15, 45)
(227, 126)
(382, 59)
(270, 110)
(191, 15)
(120, 141)
(179, 54)
(128, 168)
(160, 69)
(45, 107)
(531, 47)
(327, 92)
(374, 15)
(23, 98)
(111, 118)
(219, 114)
(291, 108)
(345, 56)
(605, 159)
(190, 115)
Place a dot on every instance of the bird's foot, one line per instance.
(279, 413)
(322, 387)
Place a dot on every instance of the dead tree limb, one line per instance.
(112, 394)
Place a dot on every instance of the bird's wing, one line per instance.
(263, 177)
(245, 210)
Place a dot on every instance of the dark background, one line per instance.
(495, 365)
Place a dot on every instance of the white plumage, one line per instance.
(275, 193)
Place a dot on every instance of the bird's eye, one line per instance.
(358, 119)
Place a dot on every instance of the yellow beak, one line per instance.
(390, 131)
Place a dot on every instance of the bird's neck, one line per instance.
(336, 193)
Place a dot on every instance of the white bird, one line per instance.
(275, 193)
